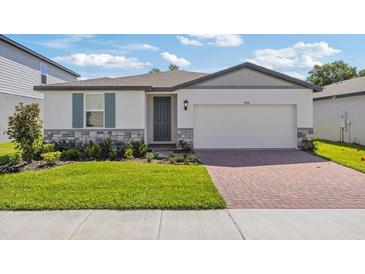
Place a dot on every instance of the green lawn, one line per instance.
(112, 185)
(6, 149)
(344, 154)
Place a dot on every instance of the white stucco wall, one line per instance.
(301, 98)
(327, 118)
(130, 109)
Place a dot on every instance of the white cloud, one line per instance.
(182, 62)
(186, 41)
(221, 40)
(101, 60)
(300, 55)
(138, 47)
(64, 42)
(295, 74)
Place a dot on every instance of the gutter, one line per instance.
(339, 96)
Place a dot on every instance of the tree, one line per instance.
(25, 130)
(361, 73)
(331, 73)
(173, 67)
(154, 70)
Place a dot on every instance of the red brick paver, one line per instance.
(283, 179)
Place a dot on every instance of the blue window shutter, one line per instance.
(77, 110)
(109, 101)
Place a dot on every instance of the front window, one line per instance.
(44, 72)
(94, 110)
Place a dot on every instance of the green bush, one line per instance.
(25, 130)
(106, 149)
(128, 153)
(15, 158)
(174, 159)
(48, 148)
(150, 156)
(119, 148)
(185, 159)
(92, 151)
(309, 145)
(51, 158)
(61, 145)
(72, 154)
(139, 149)
(193, 160)
(183, 146)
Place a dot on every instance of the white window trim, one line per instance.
(85, 110)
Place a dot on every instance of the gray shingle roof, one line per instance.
(351, 86)
(165, 81)
(99, 82)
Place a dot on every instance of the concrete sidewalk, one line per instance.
(230, 224)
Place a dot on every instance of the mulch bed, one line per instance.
(35, 165)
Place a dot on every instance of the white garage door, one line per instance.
(244, 126)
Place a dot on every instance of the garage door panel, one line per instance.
(242, 126)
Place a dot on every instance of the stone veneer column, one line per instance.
(187, 135)
(304, 133)
(94, 135)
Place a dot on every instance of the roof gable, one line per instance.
(245, 77)
(243, 71)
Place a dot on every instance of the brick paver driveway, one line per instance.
(283, 179)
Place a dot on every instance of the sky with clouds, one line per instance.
(96, 56)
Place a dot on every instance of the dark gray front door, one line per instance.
(161, 119)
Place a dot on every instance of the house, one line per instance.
(245, 106)
(339, 111)
(20, 70)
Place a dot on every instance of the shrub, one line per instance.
(149, 157)
(128, 153)
(174, 159)
(15, 158)
(60, 145)
(119, 149)
(185, 159)
(92, 151)
(193, 160)
(106, 148)
(25, 130)
(72, 154)
(139, 148)
(51, 158)
(309, 145)
(183, 146)
(48, 148)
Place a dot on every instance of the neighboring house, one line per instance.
(20, 70)
(339, 111)
(246, 106)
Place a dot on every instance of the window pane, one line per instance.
(44, 79)
(94, 102)
(94, 118)
(44, 69)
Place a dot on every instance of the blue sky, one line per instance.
(96, 56)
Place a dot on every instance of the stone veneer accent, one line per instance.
(187, 135)
(304, 133)
(94, 135)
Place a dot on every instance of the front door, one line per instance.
(162, 119)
